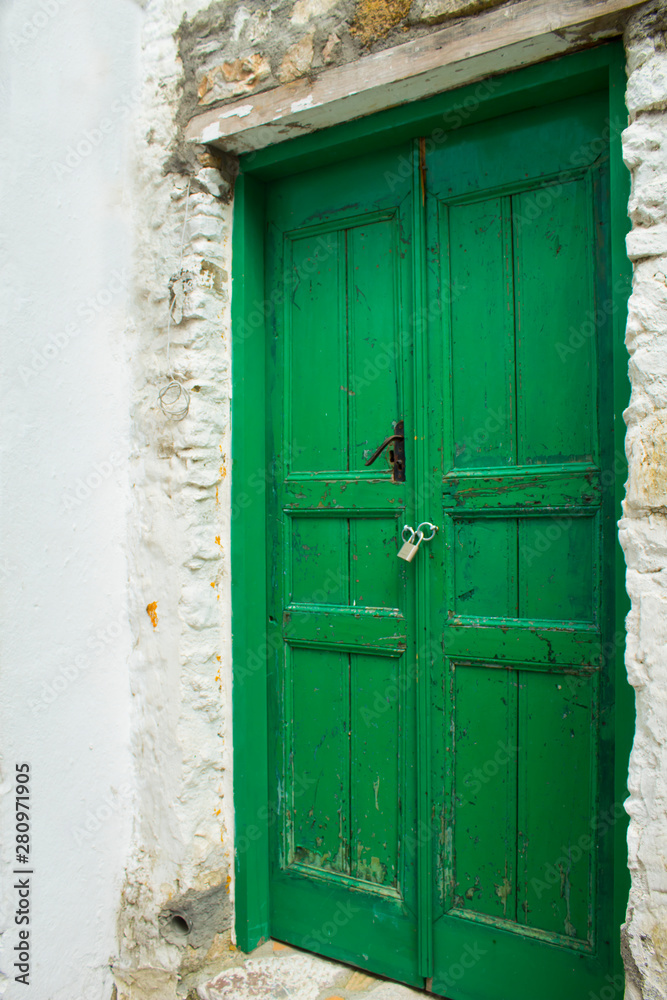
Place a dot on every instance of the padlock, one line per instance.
(408, 549)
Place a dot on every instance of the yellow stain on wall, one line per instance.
(374, 19)
(151, 611)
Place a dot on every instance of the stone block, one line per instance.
(653, 637)
(252, 28)
(142, 983)
(648, 241)
(304, 10)
(232, 79)
(647, 308)
(202, 225)
(374, 19)
(647, 460)
(302, 977)
(331, 45)
(647, 60)
(648, 369)
(297, 60)
(213, 182)
(434, 11)
(644, 145)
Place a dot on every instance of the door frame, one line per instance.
(598, 68)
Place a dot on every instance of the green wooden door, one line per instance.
(440, 731)
(343, 784)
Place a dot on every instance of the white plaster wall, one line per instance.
(68, 73)
(644, 525)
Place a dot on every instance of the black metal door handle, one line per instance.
(396, 455)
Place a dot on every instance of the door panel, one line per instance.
(495, 770)
(483, 765)
(525, 567)
(556, 774)
(312, 267)
(519, 694)
(318, 759)
(512, 752)
(342, 702)
(482, 331)
(553, 294)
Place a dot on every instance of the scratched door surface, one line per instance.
(342, 702)
(458, 839)
(518, 246)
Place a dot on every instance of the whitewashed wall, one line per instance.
(178, 544)
(644, 526)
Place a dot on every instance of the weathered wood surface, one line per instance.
(467, 50)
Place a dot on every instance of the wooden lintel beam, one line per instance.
(469, 49)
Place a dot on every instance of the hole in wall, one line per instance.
(175, 926)
(179, 925)
(194, 918)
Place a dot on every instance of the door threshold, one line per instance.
(279, 971)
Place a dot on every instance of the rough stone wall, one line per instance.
(176, 910)
(235, 48)
(644, 525)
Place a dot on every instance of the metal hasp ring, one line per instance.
(427, 524)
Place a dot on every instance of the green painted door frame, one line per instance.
(596, 69)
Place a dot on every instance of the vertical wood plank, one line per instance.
(557, 728)
(485, 790)
(482, 346)
(374, 786)
(320, 758)
(555, 325)
(372, 383)
(315, 309)
(558, 567)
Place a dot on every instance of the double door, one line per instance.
(441, 742)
